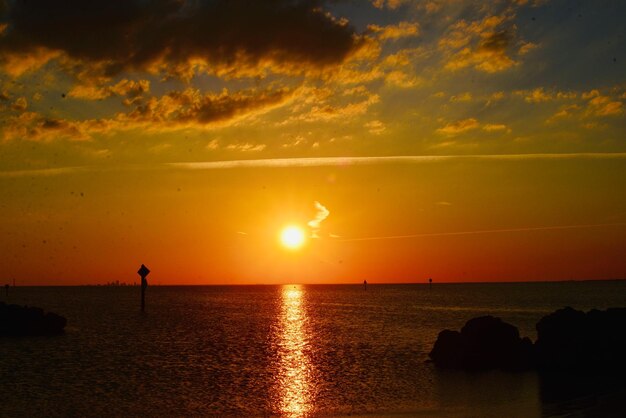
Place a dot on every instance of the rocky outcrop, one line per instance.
(573, 340)
(484, 343)
(29, 321)
(567, 341)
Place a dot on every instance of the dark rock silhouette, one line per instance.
(484, 343)
(567, 341)
(29, 321)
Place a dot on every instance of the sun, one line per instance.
(292, 237)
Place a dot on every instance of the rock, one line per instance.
(484, 343)
(29, 321)
(447, 351)
(570, 340)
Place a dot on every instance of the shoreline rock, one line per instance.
(28, 321)
(484, 343)
(567, 341)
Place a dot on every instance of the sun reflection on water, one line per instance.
(295, 366)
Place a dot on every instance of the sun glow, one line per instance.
(292, 237)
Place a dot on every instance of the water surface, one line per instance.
(290, 350)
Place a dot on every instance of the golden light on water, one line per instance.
(295, 366)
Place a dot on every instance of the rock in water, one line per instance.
(29, 321)
(567, 341)
(484, 343)
(448, 350)
(571, 340)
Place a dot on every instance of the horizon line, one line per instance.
(360, 283)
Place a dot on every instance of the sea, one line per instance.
(284, 350)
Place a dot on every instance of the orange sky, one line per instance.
(457, 140)
(537, 218)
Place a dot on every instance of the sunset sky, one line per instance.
(458, 140)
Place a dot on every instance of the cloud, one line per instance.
(44, 172)
(402, 79)
(174, 37)
(540, 95)
(400, 159)
(32, 126)
(494, 127)
(526, 48)
(494, 97)
(393, 32)
(246, 147)
(465, 125)
(295, 142)
(16, 62)
(390, 4)
(213, 144)
(125, 88)
(375, 127)
(318, 162)
(319, 110)
(191, 107)
(487, 231)
(564, 112)
(599, 105)
(20, 104)
(458, 127)
(463, 97)
(488, 45)
(315, 224)
(173, 111)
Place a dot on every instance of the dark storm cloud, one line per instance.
(176, 110)
(192, 107)
(137, 35)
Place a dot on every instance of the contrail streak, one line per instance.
(406, 159)
(308, 162)
(483, 231)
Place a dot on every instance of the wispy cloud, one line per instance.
(315, 224)
(485, 231)
(407, 159)
(313, 162)
(44, 172)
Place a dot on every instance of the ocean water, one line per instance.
(293, 350)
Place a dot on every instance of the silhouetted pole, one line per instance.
(143, 272)
(430, 283)
(364, 284)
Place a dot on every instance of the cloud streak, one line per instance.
(314, 162)
(484, 231)
(406, 159)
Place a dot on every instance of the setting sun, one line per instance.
(292, 237)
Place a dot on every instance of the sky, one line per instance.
(446, 139)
